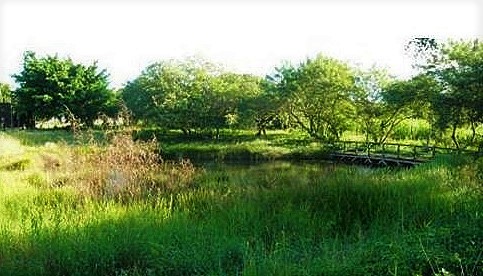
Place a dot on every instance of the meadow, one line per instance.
(103, 204)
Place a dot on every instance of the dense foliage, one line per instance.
(317, 96)
(51, 87)
(321, 96)
(190, 95)
(461, 101)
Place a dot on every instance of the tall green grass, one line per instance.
(414, 129)
(275, 218)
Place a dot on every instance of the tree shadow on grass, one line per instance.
(131, 245)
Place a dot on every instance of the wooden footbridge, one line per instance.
(387, 154)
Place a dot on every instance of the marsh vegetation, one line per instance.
(110, 206)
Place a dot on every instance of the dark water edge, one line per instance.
(249, 160)
(241, 155)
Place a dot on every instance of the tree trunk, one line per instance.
(453, 137)
(473, 132)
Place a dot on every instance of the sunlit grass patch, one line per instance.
(12, 154)
(10, 146)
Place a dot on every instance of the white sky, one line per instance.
(246, 36)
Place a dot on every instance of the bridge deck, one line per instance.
(376, 160)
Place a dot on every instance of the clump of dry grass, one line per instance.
(128, 170)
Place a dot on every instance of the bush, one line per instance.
(126, 170)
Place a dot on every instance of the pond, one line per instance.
(277, 165)
(280, 165)
(271, 174)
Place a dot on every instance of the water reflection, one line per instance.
(270, 167)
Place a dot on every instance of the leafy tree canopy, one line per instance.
(191, 94)
(318, 95)
(461, 73)
(54, 87)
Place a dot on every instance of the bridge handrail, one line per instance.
(366, 146)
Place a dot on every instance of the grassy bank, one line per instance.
(239, 145)
(72, 209)
(236, 145)
(231, 146)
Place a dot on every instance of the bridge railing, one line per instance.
(394, 150)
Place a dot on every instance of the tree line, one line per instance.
(322, 96)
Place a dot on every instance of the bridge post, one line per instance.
(398, 151)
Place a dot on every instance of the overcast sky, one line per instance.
(245, 36)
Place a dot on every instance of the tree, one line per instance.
(262, 111)
(270, 107)
(229, 98)
(371, 109)
(383, 102)
(6, 117)
(319, 96)
(5, 93)
(457, 68)
(192, 95)
(53, 87)
(425, 52)
(169, 94)
(139, 99)
(460, 70)
(407, 99)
